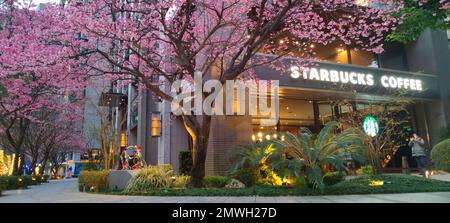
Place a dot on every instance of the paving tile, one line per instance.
(67, 191)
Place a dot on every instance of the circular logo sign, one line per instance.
(371, 126)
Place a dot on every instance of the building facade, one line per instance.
(422, 68)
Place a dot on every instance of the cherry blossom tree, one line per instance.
(35, 70)
(52, 131)
(159, 42)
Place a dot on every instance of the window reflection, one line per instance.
(363, 58)
(338, 52)
(294, 114)
(334, 52)
(326, 112)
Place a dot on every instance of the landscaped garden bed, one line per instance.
(392, 183)
(300, 165)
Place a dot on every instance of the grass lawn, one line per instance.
(393, 183)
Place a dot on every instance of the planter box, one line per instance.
(118, 179)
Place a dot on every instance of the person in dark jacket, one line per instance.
(419, 153)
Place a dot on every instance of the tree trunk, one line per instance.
(20, 165)
(33, 165)
(200, 138)
(16, 165)
(377, 158)
(44, 165)
(199, 151)
(19, 161)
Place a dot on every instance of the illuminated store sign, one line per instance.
(371, 126)
(356, 78)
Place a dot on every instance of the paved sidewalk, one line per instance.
(65, 191)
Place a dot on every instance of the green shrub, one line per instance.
(185, 158)
(332, 178)
(28, 180)
(93, 181)
(441, 155)
(300, 181)
(245, 176)
(15, 182)
(91, 166)
(3, 183)
(152, 177)
(445, 133)
(365, 170)
(216, 181)
(35, 180)
(44, 178)
(181, 181)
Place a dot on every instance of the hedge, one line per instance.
(93, 181)
(216, 181)
(44, 178)
(332, 178)
(18, 182)
(441, 155)
(3, 184)
(91, 166)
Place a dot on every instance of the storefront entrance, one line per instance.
(313, 109)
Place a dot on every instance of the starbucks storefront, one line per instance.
(312, 96)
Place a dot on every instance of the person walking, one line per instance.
(419, 153)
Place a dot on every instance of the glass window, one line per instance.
(369, 108)
(345, 110)
(338, 52)
(363, 58)
(334, 52)
(294, 114)
(326, 113)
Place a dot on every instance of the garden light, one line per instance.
(376, 183)
(36, 170)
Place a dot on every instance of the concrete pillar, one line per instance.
(431, 54)
(164, 148)
(436, 120)
(149, 144)
(179, 141)
(430, 120)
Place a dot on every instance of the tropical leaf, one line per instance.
(329, 148)
(326, 133)
(315, 178)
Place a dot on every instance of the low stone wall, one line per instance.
(118, 179)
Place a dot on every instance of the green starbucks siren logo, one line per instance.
(371, 126)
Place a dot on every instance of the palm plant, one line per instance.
(253, 161)
(330, 147)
